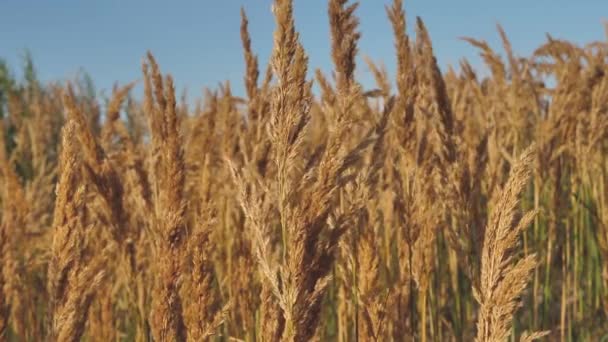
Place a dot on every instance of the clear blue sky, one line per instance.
(198, 40)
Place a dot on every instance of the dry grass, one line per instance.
(364, 213)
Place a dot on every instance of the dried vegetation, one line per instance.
(453, 207)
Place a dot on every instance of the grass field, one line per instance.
(434, 206)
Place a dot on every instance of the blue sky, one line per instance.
(198, 41)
